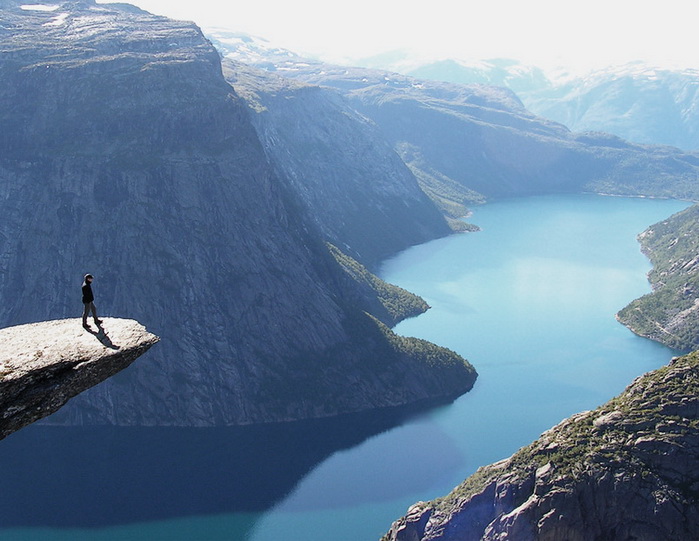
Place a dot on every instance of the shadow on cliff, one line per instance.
(102, 336)
(105, 476)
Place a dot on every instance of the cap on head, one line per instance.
(88, 276)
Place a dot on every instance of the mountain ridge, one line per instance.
(468, 143)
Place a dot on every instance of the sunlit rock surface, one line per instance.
(43, 365)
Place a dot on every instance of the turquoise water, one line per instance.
(530, 301)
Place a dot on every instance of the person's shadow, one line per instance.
(101, 335)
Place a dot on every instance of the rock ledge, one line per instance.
(43, 365)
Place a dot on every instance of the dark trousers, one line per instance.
(89, 307)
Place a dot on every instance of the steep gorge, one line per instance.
(124, 152)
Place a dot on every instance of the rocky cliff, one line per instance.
(125, 153)
(670, 313)
(43, 365)
(624, 471)
(349, 178)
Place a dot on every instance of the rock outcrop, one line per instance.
(670, 313)
(624, 471)
(43, 365)
(125, 153)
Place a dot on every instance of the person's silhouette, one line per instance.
(89, 302)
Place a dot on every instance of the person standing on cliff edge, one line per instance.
(89, 302)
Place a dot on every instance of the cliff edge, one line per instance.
(626, 470)
(43, 365)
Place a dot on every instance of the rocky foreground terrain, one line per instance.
(626, 470)
(43, 365)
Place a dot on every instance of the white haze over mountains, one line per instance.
(575, 36)
(622, 67)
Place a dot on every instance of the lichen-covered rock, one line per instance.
(43, 365)
(624, 471)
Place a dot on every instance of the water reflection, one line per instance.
(100, 476)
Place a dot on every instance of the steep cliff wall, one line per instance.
(357, 190)
(670, 314)
(124, 153)
(43, 365)
(624, 471)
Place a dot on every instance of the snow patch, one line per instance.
(60, 20)
(39, 7)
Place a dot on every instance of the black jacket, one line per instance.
(87, 293)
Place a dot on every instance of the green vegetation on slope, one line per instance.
(652, 407)
(670, 314)
(388, 370)
(394, 303)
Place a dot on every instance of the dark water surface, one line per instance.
(530, 301)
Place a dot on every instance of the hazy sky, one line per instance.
(577, 34)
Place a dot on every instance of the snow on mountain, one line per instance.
(636, 101)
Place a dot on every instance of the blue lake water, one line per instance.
(530, 301)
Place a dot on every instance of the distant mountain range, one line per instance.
(637, 102)
(469, 142)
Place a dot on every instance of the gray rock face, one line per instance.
(624, 471)
(43, 365)
(124, 153)
(349, 178)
